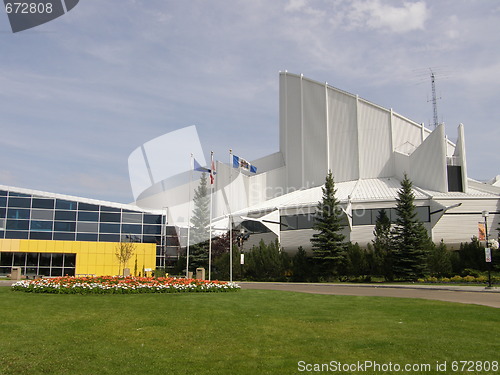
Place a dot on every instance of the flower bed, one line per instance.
(121, 285)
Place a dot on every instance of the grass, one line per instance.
(247, 332)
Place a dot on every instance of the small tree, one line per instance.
(410, 241)
(328, 245)
(124, 251)
(200, 221)
(440, 260)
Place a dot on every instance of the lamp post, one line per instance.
(485, 214)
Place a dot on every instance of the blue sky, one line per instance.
(80, 93)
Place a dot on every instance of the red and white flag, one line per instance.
(212, 170)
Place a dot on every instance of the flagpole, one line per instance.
(191, 167)
(212, 181)
(230, 217)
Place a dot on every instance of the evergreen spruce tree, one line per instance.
(200, 221)
(382, 245)
(440, 260)
(328, 245)
(410, 241)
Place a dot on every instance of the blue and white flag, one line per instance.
(243, 164)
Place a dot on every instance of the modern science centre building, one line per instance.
(368, 148)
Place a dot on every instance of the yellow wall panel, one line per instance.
(96, 258)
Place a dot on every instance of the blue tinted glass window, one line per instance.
(16, 235)
(110, 209)
(17, 224)
(45, 259)
(109, 237)
(289, 222)
(37, 225)
(151, 239)
(132, 228)
(13, 194)
(171, 231)
(56, 272)
(305, 221)
(3, 210)
(152, 219)
(64, 226)
(131, 218)
(69, 260)
(3, 201)
(66, 215)
(86, 237)
(40, 235)
(64, 236)
(69, 271)
(18, 213)
(38, 214)
(20, 202)
(109, 228)
(43, 203)
(152, 229)
(6, 259)
(57, 260)
(2, 234)
(361, 217)
(3, 193)
(110, 217)
(87, 227)
(65, 205)
(131, 237)
(423, 214)
(87, 207)
(88, 216)
(20, 259)
(137, 212)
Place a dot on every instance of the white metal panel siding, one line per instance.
(342, 126)
(282, 112)
(314, 132)
(460, 224)
(362, 234)
(265, 186)
(404, 131)
(401, 164)
(428, 162)
(375, 145)
(293, 153)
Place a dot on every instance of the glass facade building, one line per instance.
(27, 215)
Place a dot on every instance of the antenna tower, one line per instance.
(434, 99)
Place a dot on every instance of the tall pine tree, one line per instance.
(200, 221)
(328, 245)
(410, 241)
(382, 245)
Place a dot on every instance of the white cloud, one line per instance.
(378, 15)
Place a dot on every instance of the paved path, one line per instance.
(462, 294)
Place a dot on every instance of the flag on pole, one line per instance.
(243, 164)
(212, 170)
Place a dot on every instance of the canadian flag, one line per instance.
(212, 170)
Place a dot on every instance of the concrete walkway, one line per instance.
(478, 295)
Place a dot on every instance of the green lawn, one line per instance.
(246, 332)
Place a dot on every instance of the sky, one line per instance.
(80, 93)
